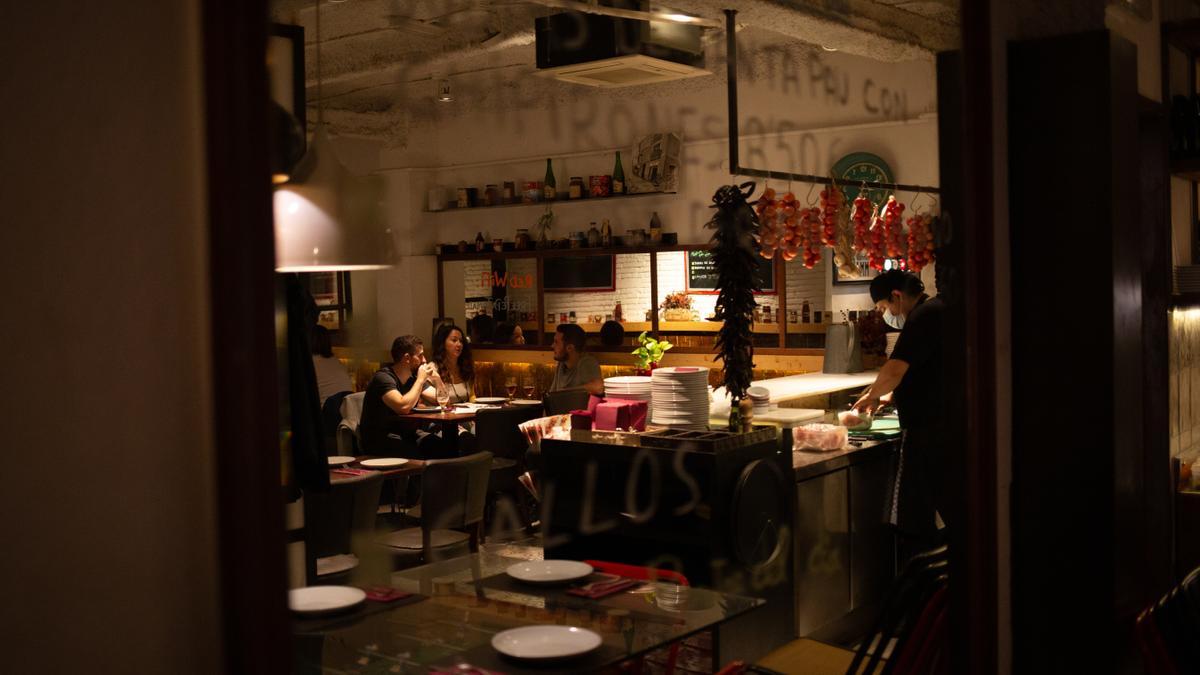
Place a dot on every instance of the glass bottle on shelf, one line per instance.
(655, 229)
(549, 186)
(805, 312)
(480, 243)
(618, 177)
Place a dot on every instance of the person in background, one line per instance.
(509, 333)
(332, 376)
(576, 370)
(454, 366)
(482, 329)
(395, 390)
(612, 334)
(914, 373)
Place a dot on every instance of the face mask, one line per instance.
(894, 320)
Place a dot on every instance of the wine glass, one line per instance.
(510, 385)
(443, 396)
(528, 386)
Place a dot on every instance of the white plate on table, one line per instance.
(426, 409)
(383, 462)
(525, 401)
(540, 643)
(340, 460)
(324, 599)
(549, 571)
(490, 399)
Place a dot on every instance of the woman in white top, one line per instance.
(455, 367)
(332, 376)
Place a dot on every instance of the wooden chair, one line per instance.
(453, 495)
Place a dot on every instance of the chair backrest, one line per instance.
(351, 408)
(496, 430)
(335, 520)
(453, 491)
(562, 402)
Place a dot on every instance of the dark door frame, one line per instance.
(246, 418)
(254, 620)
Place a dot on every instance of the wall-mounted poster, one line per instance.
(656, 164)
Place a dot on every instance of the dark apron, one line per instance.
(919, 487)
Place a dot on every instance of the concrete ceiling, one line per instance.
(381, 60)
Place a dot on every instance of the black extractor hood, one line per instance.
(606, 51)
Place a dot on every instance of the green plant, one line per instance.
(677, 300)
(650, 351)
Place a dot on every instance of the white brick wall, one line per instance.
(805, 284)
(672, 278)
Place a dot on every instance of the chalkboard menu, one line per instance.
(702, 273)
(582, 273)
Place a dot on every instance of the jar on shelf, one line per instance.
(575, 190)
(523, 241)
(491, 195)
(509, 193)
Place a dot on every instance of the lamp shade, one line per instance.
(327, 219)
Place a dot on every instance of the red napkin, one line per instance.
(637, 412)
(581, 419)
(604, 589)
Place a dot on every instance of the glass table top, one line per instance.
(461, 603)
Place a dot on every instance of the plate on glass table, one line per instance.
(426, 409)
(526, 401)
(324, 599)
(383, 462)
(340, 460)
(490, 400)
(549, 571)
(544, 643)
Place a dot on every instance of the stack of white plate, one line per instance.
(681, 397)
(636, 388)
(761, 396)
(1187, 278)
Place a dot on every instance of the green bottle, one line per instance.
(550, 187)
(618, 177)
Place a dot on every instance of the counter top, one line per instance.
(792, 387)
(812, 464)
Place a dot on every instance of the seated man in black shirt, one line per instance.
(914, 373)
(395, 390)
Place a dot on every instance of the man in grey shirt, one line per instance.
(575, 370)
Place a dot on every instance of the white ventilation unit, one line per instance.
(623, 71)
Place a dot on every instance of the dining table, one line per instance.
(451, 610)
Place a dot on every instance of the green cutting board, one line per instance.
(881, 429)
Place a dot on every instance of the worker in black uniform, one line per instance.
(913, 375)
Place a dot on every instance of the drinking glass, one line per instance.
(510, 385)
(528, 386)
(443, 397)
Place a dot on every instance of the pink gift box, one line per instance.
(612, 415)
(594, 401)
(637, 412)
(581, 419)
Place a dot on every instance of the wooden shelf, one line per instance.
(1187, 168)
(567, 252)
(817, 328)
(561, 201)
(1181, 300)
(629, 326)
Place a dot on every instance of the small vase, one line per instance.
(646, 372)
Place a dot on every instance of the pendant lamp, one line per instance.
(327, 219)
